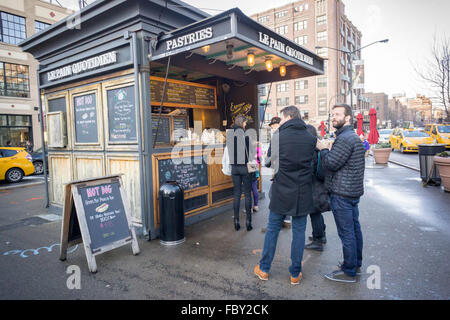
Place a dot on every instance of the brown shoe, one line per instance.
(260, 274)
(296, 281)
(286, 225)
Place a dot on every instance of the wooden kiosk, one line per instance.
(147, 91)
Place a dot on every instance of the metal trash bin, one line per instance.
(171, 214)
(426, 154)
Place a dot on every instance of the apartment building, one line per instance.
(312, 23)
(423, 107)
(379, 102)
(19, 113)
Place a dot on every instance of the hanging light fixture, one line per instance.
(205, 49)
(250, 59)
(283, 70)
(269, 64)
(230, 48)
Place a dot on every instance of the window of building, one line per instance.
(282, 102)
(323, 52)
(14, 80)
(12, 28)
(301, 25)
(302, 40)
(322, 36)
(283, 87)
(38, 26)
(301, 84)
(325, 66)
(15, 128)
(321, 7)
(281, 30)
(322, 105)
(304, 114)
(303, 99)
(321, 20)
(322, 82)
(281, 14)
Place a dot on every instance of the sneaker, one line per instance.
(358, 270)
(340, 276)
(260, 274)
(295, 281)
(323, 239)
(314, 245)
(263, 230)
(255, 209)
(286, 225)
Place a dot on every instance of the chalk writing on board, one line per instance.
(86, 118)
(122, 114)
(189, 174)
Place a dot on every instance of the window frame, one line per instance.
(5, 26)
(4, 78)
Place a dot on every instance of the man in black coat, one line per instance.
(345, 181)
(291, 191)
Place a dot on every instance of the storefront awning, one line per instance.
(220, 45)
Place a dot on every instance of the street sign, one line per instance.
(96, 213)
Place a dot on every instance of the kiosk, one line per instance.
(147, 89)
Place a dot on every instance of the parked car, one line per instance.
(439, 132)
(38, 161)
(15, 163)
(384, 135)
(406, 140)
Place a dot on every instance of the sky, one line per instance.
(410, 26)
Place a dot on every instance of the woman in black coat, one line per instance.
(321, 200)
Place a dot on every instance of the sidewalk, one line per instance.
(406, 231)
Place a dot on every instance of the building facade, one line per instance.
(379, 102)
(312, 23)
(423, 108)
(19, 112)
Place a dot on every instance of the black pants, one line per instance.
(318, 225)
(242, 181)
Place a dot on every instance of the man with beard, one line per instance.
(345, 181)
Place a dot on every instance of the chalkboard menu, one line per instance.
(188, 175)
(121, 114)
(58, 104)
(179, 128)
(85, 107)
(163, 131)
(182, 93)
(105, 214)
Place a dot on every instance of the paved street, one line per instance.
(406, 237)
(409, 159)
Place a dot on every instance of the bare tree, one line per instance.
(436, 72)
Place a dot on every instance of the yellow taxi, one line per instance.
(15, 163)
(406, 140)
(439, 132)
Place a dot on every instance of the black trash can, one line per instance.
(171, 214)
(426, 154)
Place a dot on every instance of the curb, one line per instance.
(401, 164)
(22, 185)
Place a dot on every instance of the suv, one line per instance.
(440, 133)
(15, 163)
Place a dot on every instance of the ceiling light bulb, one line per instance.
(269, 64)
(250, 59)
(205, 49)
(282, 70)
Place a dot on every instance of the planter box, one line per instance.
(443, 165)
(381, 155)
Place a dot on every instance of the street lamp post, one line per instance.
(350, 61)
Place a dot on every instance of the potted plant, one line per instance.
(442, 161)
(381, 152)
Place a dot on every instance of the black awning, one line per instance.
(222, 43)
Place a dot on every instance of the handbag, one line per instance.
(226, 166)
(252, 166)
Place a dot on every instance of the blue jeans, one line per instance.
(318, 225)
(270, 242)
(346, 215)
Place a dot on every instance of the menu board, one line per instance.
(163, 131)
(189, 175)
(85, 107)
(121, 114)
(179, 128)
(105, 214)
(182, 93)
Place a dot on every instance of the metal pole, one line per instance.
(351, 80)
(44, 158)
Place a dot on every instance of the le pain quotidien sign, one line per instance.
(176, 44)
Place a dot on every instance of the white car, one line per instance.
(384, 135)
